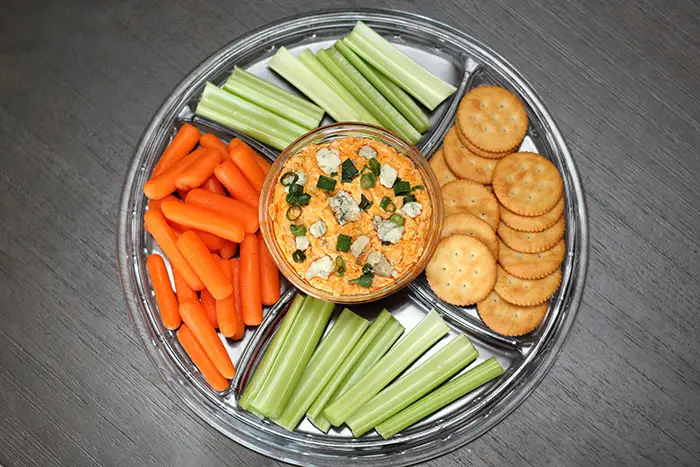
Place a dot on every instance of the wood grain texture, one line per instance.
(80, 80)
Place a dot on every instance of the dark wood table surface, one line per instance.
(80, 80)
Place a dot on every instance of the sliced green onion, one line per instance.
(334, 347)
(402, 187)
(397, 219)
(418, 187)
(431, 329)
(349, 171)
(294, 212)
(397, 66)
(326, 183)
(292, 198)
(339, 266)
(297, 230)
(441, 366)
(365, 203)
(304, 199)
(365, 280)
(394, 94)
(447, 393)
(367, 269)
(334, 174)
(289, 178)
(409, 199)
(375, 166)
(368, 181)
(296, 189)
(343, 243)
(299, 256)
(387, 204)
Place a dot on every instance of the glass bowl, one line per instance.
(326, 134)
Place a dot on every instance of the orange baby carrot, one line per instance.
(228, 250)
(201, 360)
(184, 141)
(213, 242)
(236, 184)
(195, 318)
(167, 303)
(269, 276)
(215, 186)
(194, 217)
(236, 279)
(166, 238)
(199, 171)
(197, 255)
(209, 140)
(182, 290)
(251, 305)
(233, 143)
(154, 204)
(245, 213)
(208, 302)
(245, 159)
(263, 163)
(230, 323)
(161, 185)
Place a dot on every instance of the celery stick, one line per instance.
(329, 355)
(312, 63)
(394, 94)
(347, 364)
(449, 392)
(388, 116)
(262, 372)
(431, 329)
(293, 357)
(291, 69)
(321, 423)
(274, 99)
(446, 362)
(397, 66)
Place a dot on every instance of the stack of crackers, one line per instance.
(502, 241)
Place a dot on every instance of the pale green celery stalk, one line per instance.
(272, 352)
(239, 114)
(378, 326)
(397, 66)
(294, 71)
(388, 116)
(312, 63)
(434, 401)
(294, 355)
(442, 365)
(329, 355)
(274, 99)
(321, 423)
(431, 329)
(394, 94)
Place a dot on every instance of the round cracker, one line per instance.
(532, 242)
(531, 265)
(527, 183)
(533, 224)
(442, 171)
(526, 292)
(480, 152)
(468, 196)
(462, 223)
(463, 163)
(462, 270)
(508, 319)
(492, 118)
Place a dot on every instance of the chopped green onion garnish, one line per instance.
(296, 188)
(368, 181)
(298, 256)
(418, 187)
(365, 203)
(349, 171)
(343, 243)
(304, 199)
(292, 198)
(402, 187)
(297, 230)
(339, 265)
(409, 199)
(294, 212)
(365, 280)
(367, 269)
(289, 178)
(397, 219)
(325, 183)
(387, 204)
(334, 174)
(375, 166)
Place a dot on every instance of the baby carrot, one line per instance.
(208, 140)
(182, 290)
(201, 360)
(184, 141)
(199, 171)
(165, 237)
(269, 276)
(230, 323)
(263, 163)
(236, 184)
(213, 242)
(154, 204)
(251, 306)
(208, 303)
(167, 303)
(228, 250)
(194, 217)
(161, 185)
(196, 319)
(236, 279)
(233, 143)
(215, 186)
(245, 159)
(245, 213)
(197, 255)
